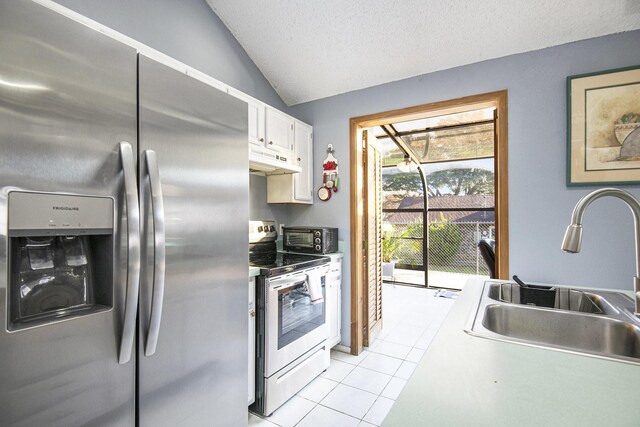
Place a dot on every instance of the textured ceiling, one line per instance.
(312, 49)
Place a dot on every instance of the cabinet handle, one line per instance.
(252, 313)
(298, 158)
(261, 139)
(270, 142)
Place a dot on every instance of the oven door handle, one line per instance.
(288, 283)
(294, 280)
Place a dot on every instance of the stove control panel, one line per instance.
(262, 231)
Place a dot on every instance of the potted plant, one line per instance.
(625, 125)
(390, 245)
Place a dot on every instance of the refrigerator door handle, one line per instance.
(133, 252)
(157, 206)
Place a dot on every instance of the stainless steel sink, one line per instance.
(583, 300)
(593, 323)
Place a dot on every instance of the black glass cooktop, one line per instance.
(273, 263)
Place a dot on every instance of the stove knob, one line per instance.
(318, 240)
(317, 234)
(259, 229)
(272, 228)
(318, 248)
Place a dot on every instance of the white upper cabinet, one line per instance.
(297, 187)
(256, 116)
(303, 181)
(279, 145)
(279, 130)
(256, 122)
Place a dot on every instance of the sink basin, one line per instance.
(562, 298)
(595, 334)
(593, 323)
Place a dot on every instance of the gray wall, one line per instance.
(258, 207)
(186, 30)
(540, 204)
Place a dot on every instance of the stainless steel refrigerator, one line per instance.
(123, 234)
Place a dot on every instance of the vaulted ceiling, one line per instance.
(311, 49)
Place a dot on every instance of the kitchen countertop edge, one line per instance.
(469, 380)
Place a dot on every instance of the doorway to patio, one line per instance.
(427, 183)
(453, 184)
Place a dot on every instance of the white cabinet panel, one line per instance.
(296, 188)
(256, 110)
(252, 341)
(334, 302)
(256, 122)
(303, 181)
(274, 135)
(278, 130)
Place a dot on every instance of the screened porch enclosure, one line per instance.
(456, 155)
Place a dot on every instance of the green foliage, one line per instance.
(415, 230)
(392, 157)
(408, 182)
(444, 241)
(629, 118)
(391, 243)
(460, 182)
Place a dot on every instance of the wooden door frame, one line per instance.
(496, 99)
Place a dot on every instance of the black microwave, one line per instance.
(311, 240)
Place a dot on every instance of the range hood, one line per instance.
(270, 162)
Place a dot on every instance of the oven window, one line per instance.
(296, 315)
(299, 239)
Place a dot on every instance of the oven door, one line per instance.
(293, 324)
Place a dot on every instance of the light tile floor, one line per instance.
(360, 390)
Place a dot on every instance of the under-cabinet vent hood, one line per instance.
(269, 162)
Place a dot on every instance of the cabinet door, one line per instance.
(252, 341)
(256, 122)
(303, 181)
(334, 309)
(256, 116)
(278, 130)
(297, 187)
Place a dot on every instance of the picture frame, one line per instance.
(603, 127)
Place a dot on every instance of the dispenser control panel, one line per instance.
(53, 214)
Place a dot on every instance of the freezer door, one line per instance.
(67, 99)
(194, 185)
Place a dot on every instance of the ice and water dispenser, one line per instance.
(60, 257)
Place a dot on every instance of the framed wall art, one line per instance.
(603, 127)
